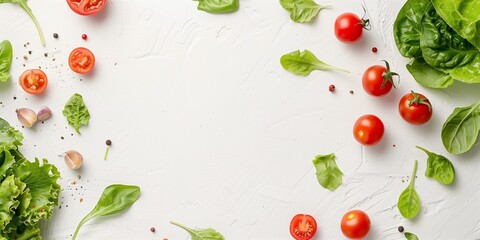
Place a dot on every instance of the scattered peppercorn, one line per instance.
(374, 49)
(331, 88)
(62, 138)
(55, 35)
(45, 54)
(84, 36)
(351, 91)
(152, 229)
(108, 142)
(14, 98)
(401, 229)
(25, 57)
(30, 52)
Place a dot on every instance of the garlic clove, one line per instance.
(73, 159)
(26, 116)
(44, 114)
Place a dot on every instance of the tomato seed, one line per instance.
(331, 88)
(374, 49)
(152, 229)
(84, 36)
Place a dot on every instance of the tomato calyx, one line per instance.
(388, 76)
(365, 23)
(417, 100)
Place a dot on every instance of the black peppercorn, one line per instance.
(400, 229)
(55, 35)
(108, 142)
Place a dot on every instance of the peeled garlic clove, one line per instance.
(44, 114)
(26, 116)
(73, 159)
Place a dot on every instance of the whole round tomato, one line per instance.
(368, 130)
(378, 80)
(33, 81)
(355, 224)
(303, 227)
(349, 27)
(87, 7)
(81, 60)
(415, 108)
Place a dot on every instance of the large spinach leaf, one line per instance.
(328, 173)
(439, 167)
(445, 50)
(218, 6)
(463, 16)
(428, 76)
(407, 28)
(460, 131)
(409, 202)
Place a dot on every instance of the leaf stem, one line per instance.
(414, 172)
(27, 9)
(106, 154)
(423, 149)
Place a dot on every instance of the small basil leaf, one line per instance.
(328, 173)
(218, 6)
(201, 234)
(428, 76)
(115, 199)
(76, 112)
(303, 63)
(461, 129)
(411, 236)
(439, 167)
(302, 10)
(409, 202)
(6, 55)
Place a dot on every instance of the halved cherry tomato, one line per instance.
(81, 60)
(303, 227)
(349, 27)
(355, 224)
(368, 130)
(415, 108)
(87, 7)
(378, 80)
(33, 81)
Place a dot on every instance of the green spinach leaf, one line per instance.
(327, 171)
(463, 16)
(445, 50)
(201, 234)
(115, 199)
(439, 167)
(428, 76)
(407, 28)
(411, 236)
(6, 55)
(23, 4)
(218, 6)
(303, 63)
(461, 129)
(76, 112)
(409, 202)
(302, 10)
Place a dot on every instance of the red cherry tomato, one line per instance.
(81, 60)
(378, 80)
(349, 27)
(355, 224)
(368, 130)
(87, 7)
(415, 108)
(303, 227)
(33, 81)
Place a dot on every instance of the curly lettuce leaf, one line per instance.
(9, 137)
(28, 233)
(43, 190)
(6, 161)
(10, 189)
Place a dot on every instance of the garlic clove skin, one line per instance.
(73, 159)
(44, 114)
(26, 116)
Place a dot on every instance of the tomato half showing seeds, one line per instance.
(303, 227)
(349, 27)
(378, 80)
(87, 7)
(368, 130)
(81, 60)
(355, 224)
(33, 81)
(415, 108)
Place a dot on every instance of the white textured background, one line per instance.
(217, 134)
